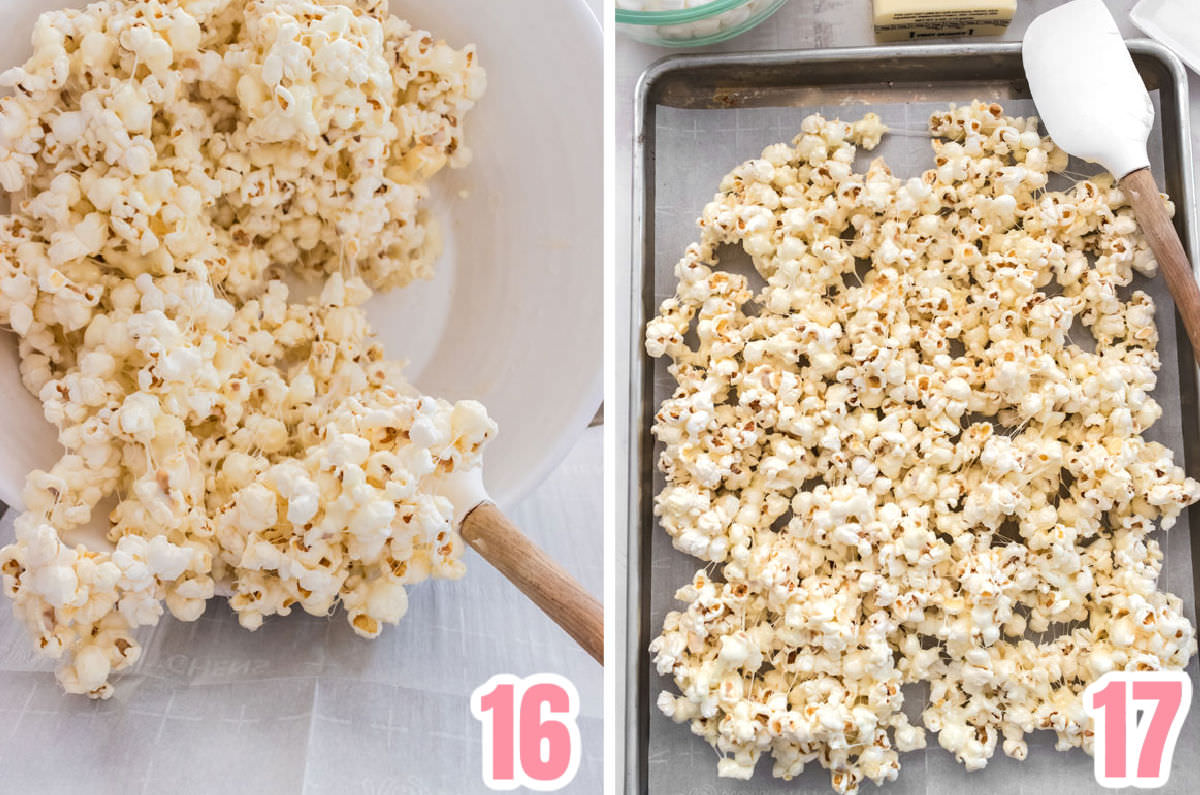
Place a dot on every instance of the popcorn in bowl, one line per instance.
(900, 463)
(169, 162)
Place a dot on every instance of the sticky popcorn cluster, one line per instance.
(907, 468)
(168, 161)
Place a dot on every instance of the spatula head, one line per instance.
(1086, 88)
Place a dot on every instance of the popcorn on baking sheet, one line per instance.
(905, 465)
(168, 161)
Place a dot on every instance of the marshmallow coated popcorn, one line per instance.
(905, 465)
(167, 161)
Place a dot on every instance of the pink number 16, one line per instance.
(1132, 752)
(530, 738)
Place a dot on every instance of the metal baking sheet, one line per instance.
(698, 116)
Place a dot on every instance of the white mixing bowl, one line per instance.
(514, 317)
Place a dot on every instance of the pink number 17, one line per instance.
(1113, 701)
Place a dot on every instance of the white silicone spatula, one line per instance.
(1095, 105)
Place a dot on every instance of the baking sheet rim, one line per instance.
(640, 458)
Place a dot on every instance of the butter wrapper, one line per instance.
(903, 20)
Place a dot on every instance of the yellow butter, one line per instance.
(902, 20)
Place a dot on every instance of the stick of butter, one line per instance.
(900, 20)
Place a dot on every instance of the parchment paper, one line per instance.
(694, 149)
(303, 705)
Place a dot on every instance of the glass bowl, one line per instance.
(696, 26)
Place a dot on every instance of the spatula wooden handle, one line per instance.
(492, 535)
(1168, 249)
